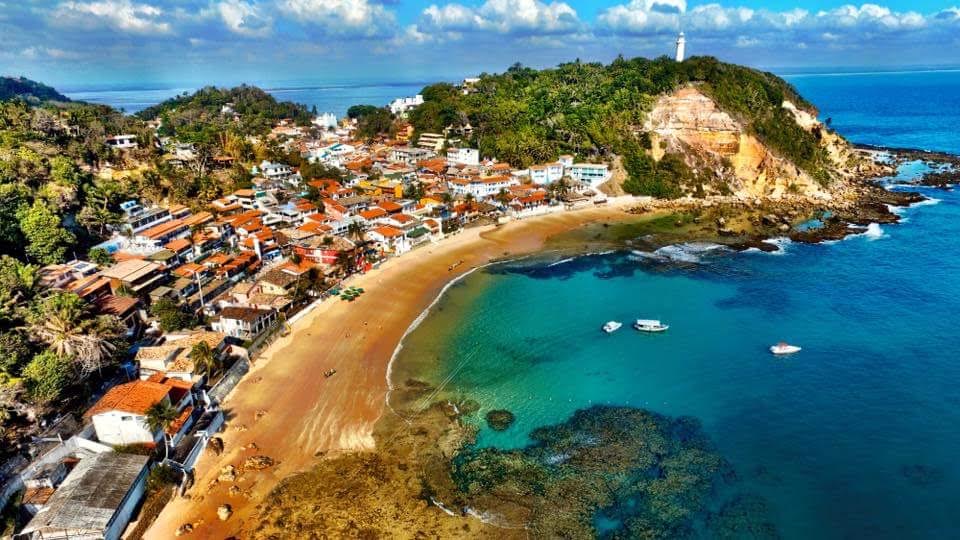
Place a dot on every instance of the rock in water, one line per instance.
(227, 474)
(500, 419)
(224, 512)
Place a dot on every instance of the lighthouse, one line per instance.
(681, 44)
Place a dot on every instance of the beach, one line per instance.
(285, 408)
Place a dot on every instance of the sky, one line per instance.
(75, 43)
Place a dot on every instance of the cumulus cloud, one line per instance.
(243, 18)
(122, 15)
(506, 17)
(341, 17)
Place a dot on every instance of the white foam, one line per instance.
(562, 261)
(782, 242)
(929, 201)
(872, 232)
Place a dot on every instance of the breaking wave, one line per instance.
(688, 252)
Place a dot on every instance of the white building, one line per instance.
(325, 121)
(122, 142)
(275, 171)
(590, 173)
(120, 416)
(482, 188)
(464, 156)
(431, 141)
(244, 322)
(681, 47)
(409, 155)
(546, 174)
(401, 105)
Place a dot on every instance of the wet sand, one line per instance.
(294, 415)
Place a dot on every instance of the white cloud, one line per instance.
(342, 17)
(516, 17)
(39, 52)
(642, 17)
(243, 18)
(122, 15)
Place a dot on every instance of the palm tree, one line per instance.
(204, 358)
(64, 323)
(345, 261)
(159, 417)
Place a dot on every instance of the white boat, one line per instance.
(784, 348)
(650, 325)
(612, 326)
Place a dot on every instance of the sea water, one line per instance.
(854, 437)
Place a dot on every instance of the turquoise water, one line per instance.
(854, 437)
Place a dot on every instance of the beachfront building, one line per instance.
(481, 188)
(94, 501)
(546, 174)
(134, 275)
(120, 417)
(593, 174)
(402, 105)
(244, 322)
(389, 239)
(174, 356)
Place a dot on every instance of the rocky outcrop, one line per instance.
(690, 123)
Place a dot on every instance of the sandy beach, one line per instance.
(286, 409)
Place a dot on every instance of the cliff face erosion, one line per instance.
(728, 159)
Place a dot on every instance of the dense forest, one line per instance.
(596, 111)
(258, 111)
(32, 91)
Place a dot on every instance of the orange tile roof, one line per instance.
(387, 231)
(373, 213)
(244, 193)
(164, 228)
(175, 426)
(390, 206)
(132, 397)
(178, 245)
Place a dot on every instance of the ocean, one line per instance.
(326, 97)
(854, 437)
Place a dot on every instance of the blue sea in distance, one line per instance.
(334, 98)
(855, 437)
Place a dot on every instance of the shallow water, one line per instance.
(853, 437)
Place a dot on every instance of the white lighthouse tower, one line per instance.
(681, 45)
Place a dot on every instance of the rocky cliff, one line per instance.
(729, 159)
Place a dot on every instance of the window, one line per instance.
(126, 418)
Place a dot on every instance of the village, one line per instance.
(201, 291)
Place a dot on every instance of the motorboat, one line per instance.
(612, 326)
(783, 348)
(650, 325)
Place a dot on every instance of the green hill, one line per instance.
(596, 111)
(32, 91)
(258, 110)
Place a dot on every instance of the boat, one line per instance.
(783, 348)
(650, 325)
(612, 326)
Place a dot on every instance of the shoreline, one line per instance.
(338, 415)
(285, 409)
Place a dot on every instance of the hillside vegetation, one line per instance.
(595, 111)
(32, 91)
(258, 111)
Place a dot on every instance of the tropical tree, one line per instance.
(47, 240)
(345, 261)
(204, 358)
(18, 283)
(159, 417)
(64, 322)
(46, 376)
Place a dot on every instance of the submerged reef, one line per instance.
(606, 472)
(642, 474)
(500, 419)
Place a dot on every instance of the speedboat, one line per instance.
(783, 348)
(650, 325)
(612, 326)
